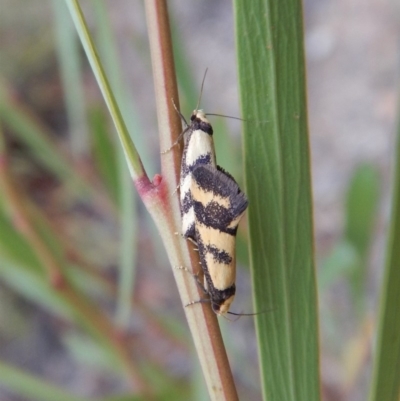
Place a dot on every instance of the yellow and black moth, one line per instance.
(218, 205)
(211, 207)
(198, 151)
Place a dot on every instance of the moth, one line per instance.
(212, 205)
(218, 205)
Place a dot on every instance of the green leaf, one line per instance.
(270, 51)
(344, 259)
(32, 134)
(32, 387)
(104, 151)
(31, 286)
(14, 247)
(92, 354)
(127, 196)
(126, 397)
(361, 205)
(21, 270)
(69, 57)
(386, 369)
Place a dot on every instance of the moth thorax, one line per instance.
(224, 306)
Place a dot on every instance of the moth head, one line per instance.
(223, 307)
(199, 115)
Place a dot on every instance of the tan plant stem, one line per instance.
(202, 321)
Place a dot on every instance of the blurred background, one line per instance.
(70, 184)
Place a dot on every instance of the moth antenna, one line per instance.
(230, 320)
(201, 90)
(237, 118)
(245, 314)
(223, 115)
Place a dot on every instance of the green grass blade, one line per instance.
(350, 255)
(32, 387)
(70, 61)
(128, 397)
(386, 369)
(343, 260)
(21, 270)
(127, 196)
(128, 247)
(362, 201)
(361, 206)
(29, 131)
(104, 152)
(269, 38)
(34, 288)
(91, 353)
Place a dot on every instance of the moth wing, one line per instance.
(212, 184)
(218, 206)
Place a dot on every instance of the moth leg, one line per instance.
(176, 189)
(189, 239)
(199, 283)
(185, 269)
(196, 249)
(192, 240)
(194, 275)
(199, 301)
(176, 142)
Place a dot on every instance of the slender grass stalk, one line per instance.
(132, 157)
